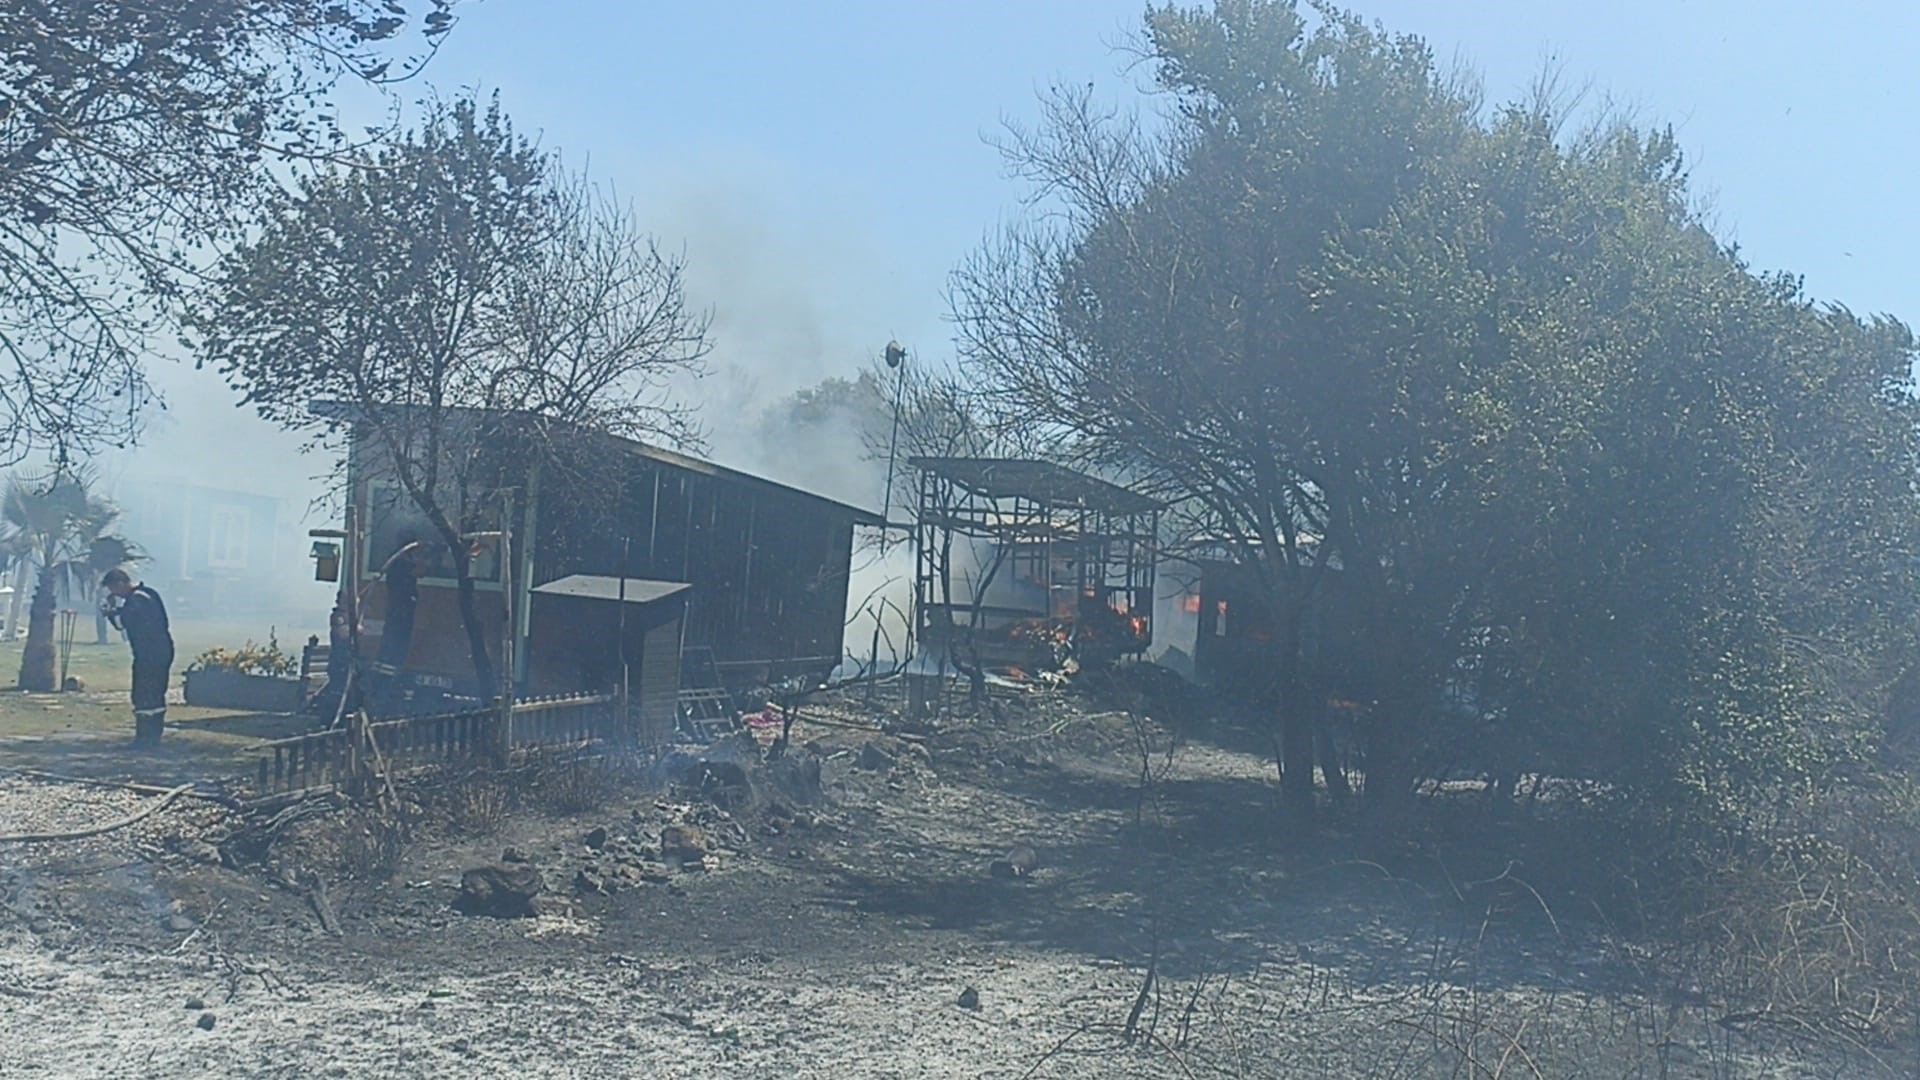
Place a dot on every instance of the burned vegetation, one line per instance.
(1383, 591)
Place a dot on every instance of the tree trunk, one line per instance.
(1296, 758)
(1296, 731)
(1330, 767)
(476, 633)
(38, 670)
(1390, 759)
(469, 606)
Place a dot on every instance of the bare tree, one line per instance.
(592, 324)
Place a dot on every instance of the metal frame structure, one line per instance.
(1087, 544)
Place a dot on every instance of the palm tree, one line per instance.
(59, 525)
(104, 552)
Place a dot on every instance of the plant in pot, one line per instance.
(257, 678)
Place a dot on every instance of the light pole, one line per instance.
(896, 356)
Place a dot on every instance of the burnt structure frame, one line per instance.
(1032, 510)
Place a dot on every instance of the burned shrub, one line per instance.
(371, 844)
(478, 804)
(576, 786)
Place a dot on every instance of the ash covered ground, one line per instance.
(1057, 888)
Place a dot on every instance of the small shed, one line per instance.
(591, 632)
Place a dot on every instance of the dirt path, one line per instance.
(840, 949)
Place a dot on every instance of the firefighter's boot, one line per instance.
(147, 726)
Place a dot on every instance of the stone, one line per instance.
(196, 1004)
(205, 1023)
(875, 758)
(970, 999)
(597, 837)
(514, 855)
(795, 777)
(504, 891)
(1019, 862)
(685, 842)
(180, 924)
(588, 881)
(739, 748)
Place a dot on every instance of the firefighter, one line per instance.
(402, 573)
(139, 613)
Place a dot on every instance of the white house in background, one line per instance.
(211, 550)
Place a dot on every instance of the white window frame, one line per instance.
(228, 528)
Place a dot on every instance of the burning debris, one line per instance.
(1027, 565)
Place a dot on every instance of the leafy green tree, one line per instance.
(1674, 492)
(1160, 316)
(61, 525)
(1608, 503)
(132, 135)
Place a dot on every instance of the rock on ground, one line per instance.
(503, 891)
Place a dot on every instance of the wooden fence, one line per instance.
(336, 758)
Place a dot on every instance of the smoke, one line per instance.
(800, 304)
(830, 439)
(803, 301)
(221, 501)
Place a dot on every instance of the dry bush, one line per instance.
(576, 786)
(1817, 928)
(371, 844)
(478, 804)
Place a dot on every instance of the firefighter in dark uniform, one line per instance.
(139, 613)
(396, 638)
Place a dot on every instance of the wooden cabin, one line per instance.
(625, 557)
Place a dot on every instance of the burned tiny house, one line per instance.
(1020, 563)
(1234, 626)
(622, 558)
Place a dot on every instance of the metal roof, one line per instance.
(348, 412)
(1042, 481)
(596, 587)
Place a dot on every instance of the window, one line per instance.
(227, 530)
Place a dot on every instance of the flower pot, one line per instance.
(220, 688)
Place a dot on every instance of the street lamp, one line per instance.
(896, 358)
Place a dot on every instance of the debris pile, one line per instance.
(503, 891)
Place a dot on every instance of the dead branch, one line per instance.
(322, 906)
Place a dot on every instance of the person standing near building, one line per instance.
(139, 613)
(402, 574)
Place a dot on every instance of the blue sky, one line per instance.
(823, 164)
(823, 168)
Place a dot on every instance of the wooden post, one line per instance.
(356, 733)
